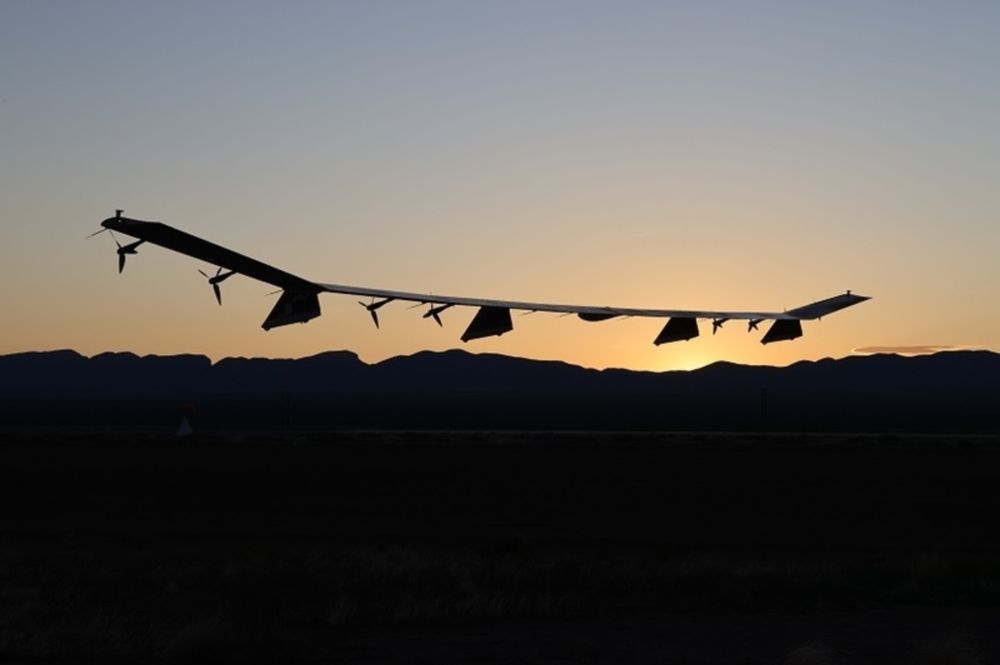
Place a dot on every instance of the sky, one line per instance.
(701, 155)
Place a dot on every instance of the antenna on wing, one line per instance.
(217, 279)
(374, 306)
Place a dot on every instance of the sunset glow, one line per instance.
(727, 156)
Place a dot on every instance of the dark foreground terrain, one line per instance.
(498, 548)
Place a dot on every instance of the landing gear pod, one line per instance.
(292, 307)
(489, 321)
(679, 328)
(783, 329)
(590, 316)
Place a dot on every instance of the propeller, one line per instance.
(373, 307)
(716, 324)
(435, 312)
(217, 279)
(752, 324)
(124, 250)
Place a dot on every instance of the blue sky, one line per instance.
(722, 155)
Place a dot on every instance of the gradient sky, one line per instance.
(694, 155)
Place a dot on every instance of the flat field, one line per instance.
(497, 547)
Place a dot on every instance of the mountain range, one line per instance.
(957, 391)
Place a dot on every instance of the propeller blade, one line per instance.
(219, 271)
(434, 313)
(752, 324)
(218, 293)
(373, 306)
(96, 233)
(121, 262)
(204, 274)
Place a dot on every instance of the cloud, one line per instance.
(914, 350)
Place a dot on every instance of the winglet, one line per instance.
(821, 308)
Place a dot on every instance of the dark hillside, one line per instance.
(954, 392)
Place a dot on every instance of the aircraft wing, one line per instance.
(586, 312)
(299, 302)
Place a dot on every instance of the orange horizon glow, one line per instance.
(646, 155)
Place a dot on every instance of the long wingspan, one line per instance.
(299, 303)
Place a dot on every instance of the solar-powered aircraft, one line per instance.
(299, 300)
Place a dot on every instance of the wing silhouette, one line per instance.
(299, 300)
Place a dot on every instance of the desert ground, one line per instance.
(498, 547)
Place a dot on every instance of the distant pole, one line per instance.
(185, 430)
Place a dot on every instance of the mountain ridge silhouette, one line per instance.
(953, 390)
